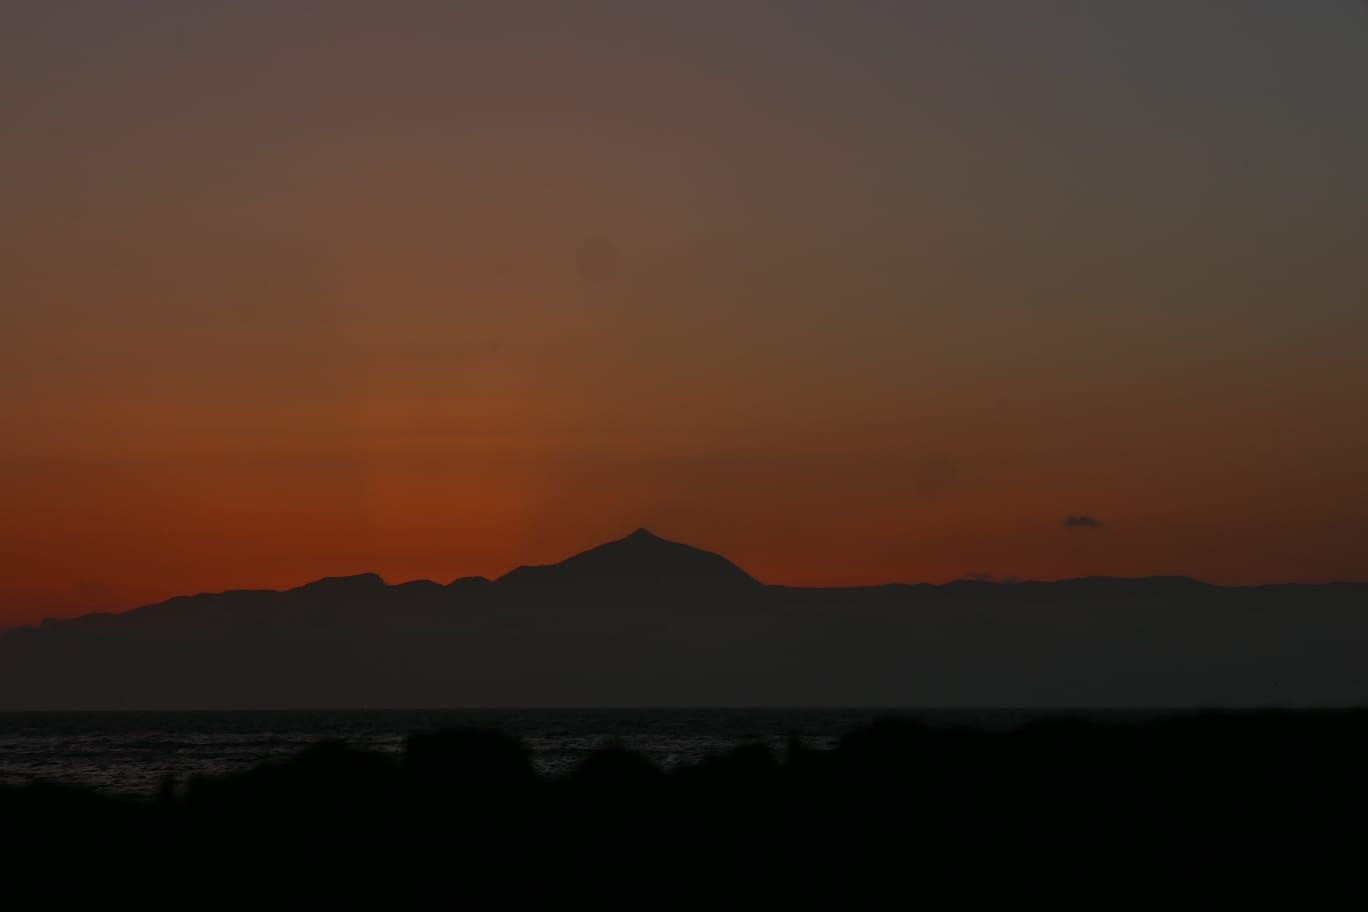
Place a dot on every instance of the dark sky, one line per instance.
(849, 292)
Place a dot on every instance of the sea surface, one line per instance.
(135, 753)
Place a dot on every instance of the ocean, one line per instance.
(134, 753)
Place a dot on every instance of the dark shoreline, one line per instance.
(128, 753)
(1218, 805)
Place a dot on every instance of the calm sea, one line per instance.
(132, 753)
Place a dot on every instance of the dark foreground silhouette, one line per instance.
(1219, 808)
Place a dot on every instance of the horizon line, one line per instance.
(643, 533)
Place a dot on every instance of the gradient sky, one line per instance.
(851, 292)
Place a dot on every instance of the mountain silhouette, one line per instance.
(641, 558)
(357, 584)
(642, 621)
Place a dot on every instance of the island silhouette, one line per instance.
(642, 621)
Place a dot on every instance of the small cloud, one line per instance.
(1082, 521)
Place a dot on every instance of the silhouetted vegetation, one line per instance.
(1219, 808)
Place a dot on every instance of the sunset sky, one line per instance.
(849, 292)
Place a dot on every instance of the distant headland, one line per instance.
(642, 621)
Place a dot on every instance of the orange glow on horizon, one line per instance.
(428, 291)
